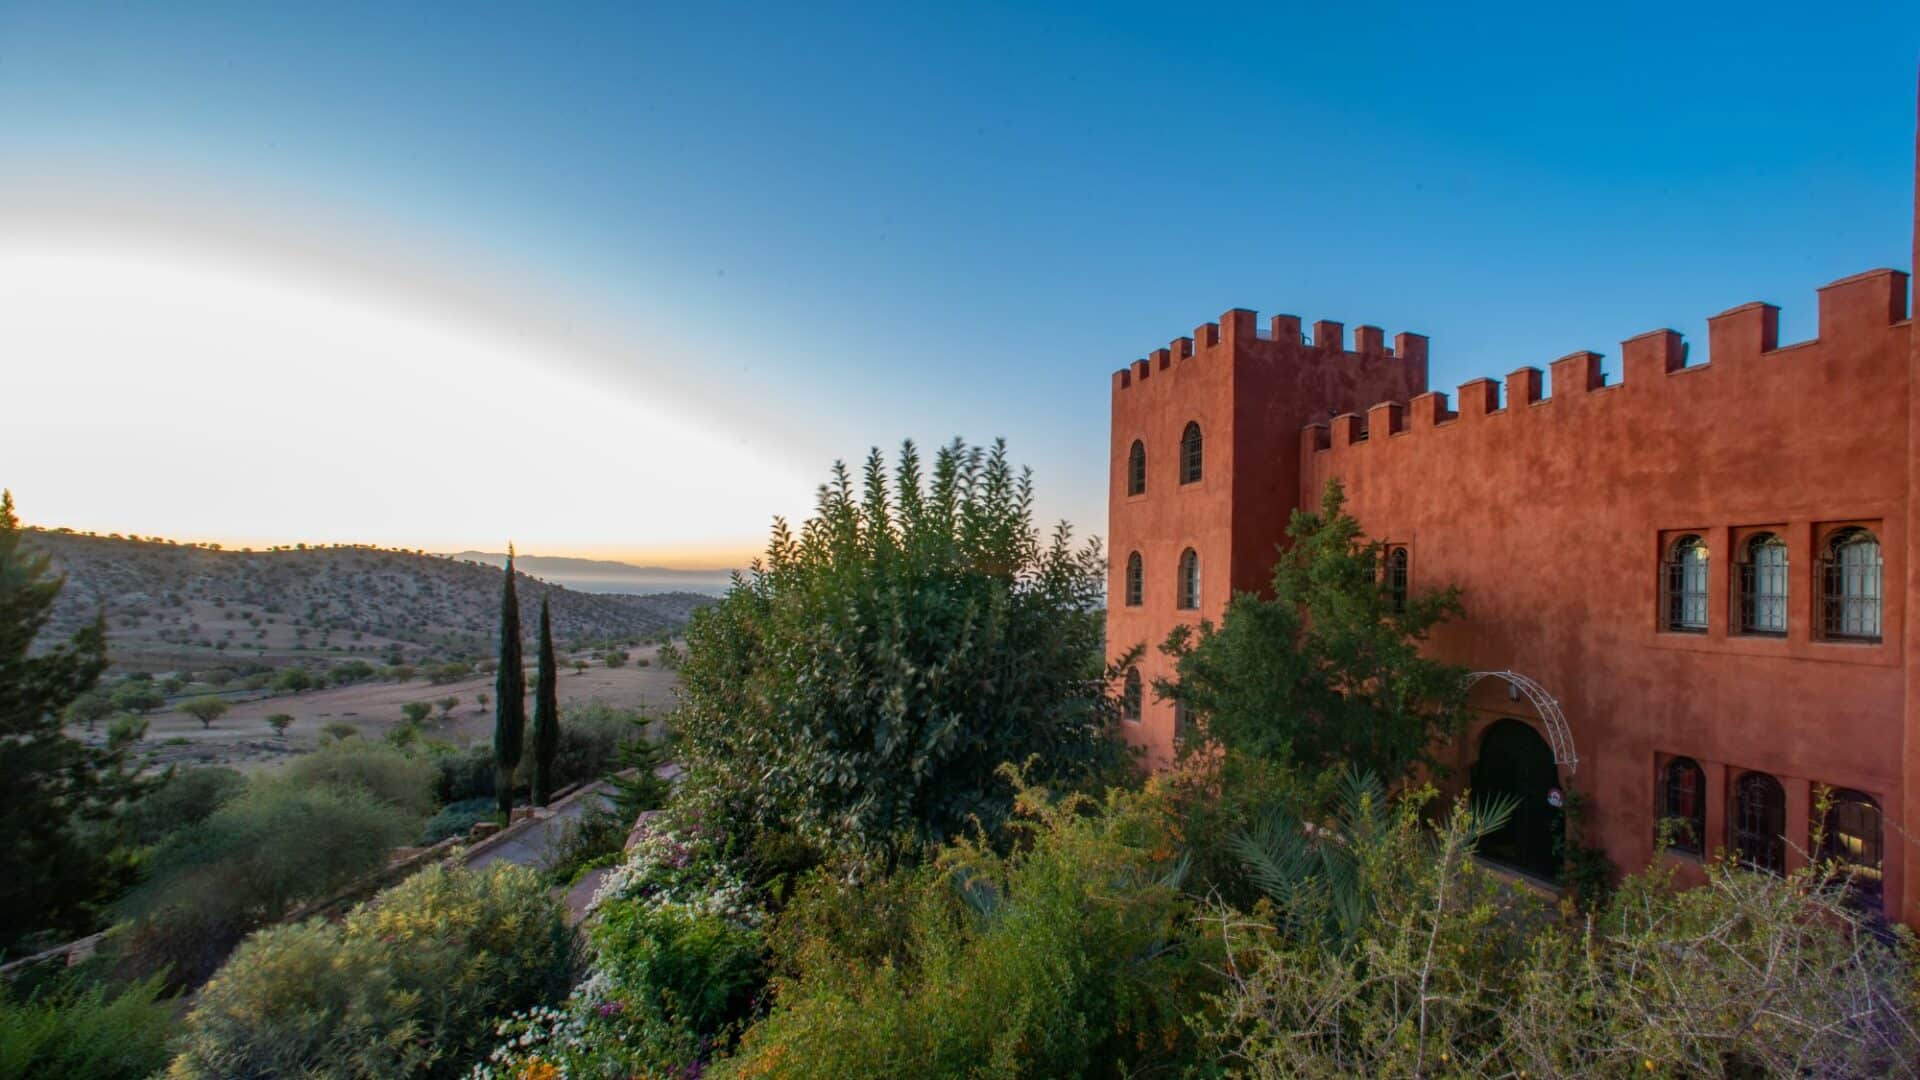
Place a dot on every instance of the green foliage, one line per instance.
(185, 798)
(205, 709)
(404, 988)
(253, 859)
(636, 785)
(83, 1031)
(1451, 971)
(452, 671)
(1327, 673)
(351, 671)
(90, 708)
(455, 819)
(401, 780)
(59, 867)
(397, 672)
(699, 970)
(416, 712)
(280, 722)
(462, 774)
(615, 658)
(864, 682)
(337, 730)
(592, 840)
(510, 694)
(137, 696)
(546, 713)
(292, 680)
(589, 744)
(1074, 956)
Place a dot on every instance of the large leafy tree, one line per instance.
(864, 682)
(546, 713)
(56, 793)
(1329, 672)
(510, 695)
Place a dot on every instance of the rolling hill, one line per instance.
(172, 606)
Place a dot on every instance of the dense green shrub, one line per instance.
(71, 1032)
(249, 863)
(455, 819)
(591, 736)
(866, 680)
(399, 779)
(406, 987)
(186, 798)
(463, 774)
(1074, 956)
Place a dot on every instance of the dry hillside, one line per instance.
(173, 607)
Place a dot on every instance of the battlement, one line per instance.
(1851, 310)
(1281, 334)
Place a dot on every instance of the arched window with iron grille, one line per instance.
(1763, 585)
(1686, 585)
(1760, 822)
(1137, 468)
(1683, 804)
(1397, 580)
(1850, 586)
(1189, 591)
(1132, 696)
(1190, 453)
(1852, 836)
(1136, 579)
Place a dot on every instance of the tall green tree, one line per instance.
(56, 793)
(510, 695)
(864, 683)
(546, 713)
(1328, 673)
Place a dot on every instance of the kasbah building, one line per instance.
(1686, 588)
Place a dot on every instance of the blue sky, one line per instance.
(802, 230)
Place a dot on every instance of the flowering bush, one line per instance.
(676, 963)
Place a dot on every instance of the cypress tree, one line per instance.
(509, 696)
(546, 714)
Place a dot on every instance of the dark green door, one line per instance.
(1514, 760)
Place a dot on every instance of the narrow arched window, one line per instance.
(1851, 836)
(1683, 804)
(1189, 591)
(1397, 580)
(1760, 822)
(1136, 579)
(1686, 585)
(1850, 576)
(1763, 585)
(1190, 454)
(1137, 468)
(1132, 697)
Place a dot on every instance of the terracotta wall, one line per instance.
(1551, 513)
(1250, 388)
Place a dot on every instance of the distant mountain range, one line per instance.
(605, 576)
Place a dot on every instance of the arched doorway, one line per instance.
(1514, 760)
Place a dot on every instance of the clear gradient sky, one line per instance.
(622, 280)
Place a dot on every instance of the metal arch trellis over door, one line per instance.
(1559, 738)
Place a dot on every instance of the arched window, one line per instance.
(1760, 822)
(1683, 803)
(1189, 591)
(1850, 577)
(1136, 579)
(1397, 580)
(1190, 453)
(1137, 468)
(1132, 696)
(1851, 836)
(1686, 585)
(1763, 585)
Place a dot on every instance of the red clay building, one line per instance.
(1702, 566)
